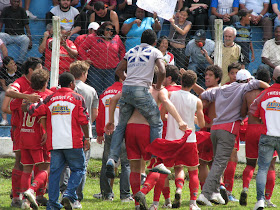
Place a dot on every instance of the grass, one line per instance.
(92, 187)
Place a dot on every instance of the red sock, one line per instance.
(193, 184)
(201, 185)
(135, 183)
(16, 179)
(159, 186)
(150, 182)
(270, 183)
(179, 183)
(39, 183)
(25, 181)
(166, 192)
(229, 175)
(247, 175)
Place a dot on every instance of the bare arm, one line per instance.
(198, 89)
(34, 97)
(86, 134)
(115, 20)
(234, 11)
(3, 84)
(120, 71)
(199, 114)
(94, 114)
(29, 35)
(156, 26)
(72, 53)
(127, 26)
(4, 50)
(42, 46)
(178, 29)
(214, 12)
(92, 17)
(75, 30)
(252, 51)
(161, 73)
(244, 107)
(6, 105)
(268, 62)
(264, 85)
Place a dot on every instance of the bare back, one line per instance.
(249, 97)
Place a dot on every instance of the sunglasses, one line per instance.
(109, 29)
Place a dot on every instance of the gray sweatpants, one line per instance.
(223, 144)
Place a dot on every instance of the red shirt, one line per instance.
(78, 41)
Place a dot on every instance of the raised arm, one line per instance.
(199, 114)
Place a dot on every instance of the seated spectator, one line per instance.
(102, 14)
(69, 17)
(8, 74)
(225, 10)
(68, 52)
(259, 16)
(179, 28)
(134, 27)
(126, 10)
(28, 13)
(163, 45)
(198, 14)
(276, 7)
(271, 52)
(43, 41)
(244, 35)
(15, 20)
(198, 51)
(4, 51)
(110, 4)
(6, 3)
(104, 51)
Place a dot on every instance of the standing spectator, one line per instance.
(69, 17)
(110, 4)
(244, 35)
(28, 13)
(198, 13)
(67, 52)
(134, 27)
(15, 20)
(198, 51)
(225, 10)
(102, 14)
(276, 7)
(179, 28)
(163, 45)
(259, 15)
(104, 51)
(126, 10)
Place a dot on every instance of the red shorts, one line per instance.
(253, 134)
(15, 134)
(188, 157)
(31, 157)
(137, 138)
(205, 149)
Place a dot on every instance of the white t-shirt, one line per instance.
(140, 65)
(271, 51)
(185, 104)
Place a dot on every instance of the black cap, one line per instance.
(199, 34)
(244, 12)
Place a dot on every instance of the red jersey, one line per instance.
(103, 108)
(66, 112)
(78, 41)
(31, 130)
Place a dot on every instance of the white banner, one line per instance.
(163, 8)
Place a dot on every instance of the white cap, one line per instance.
(93, 25)
(243, 74)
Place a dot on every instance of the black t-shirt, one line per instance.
(14, 20)
(188, 3)
(8, 79)
(129, 9)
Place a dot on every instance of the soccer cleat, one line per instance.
(141, 198)
(202, 200)
(194, 207)
(217, 199)
(16, 203)
(269, 204)
(177, 201)
(143, 178)
(126, 200)
(243, 197)
(30, 15)
(41, 200)
(110, 169)
(76, 205)
(167, 204)
(29, 194)
(66, 203)
(224, 194)
(160, 168)
(153, 207)
(231, 197)
(25, 204)
(259, 205)
(98, 196)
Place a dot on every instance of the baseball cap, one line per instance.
(244, 12)
(199, 34)
(243, 74)
(276, 72)
(93, 25)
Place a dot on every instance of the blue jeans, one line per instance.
(140, 98)
(105, 186)
(21, 40)
(75, 158)
(267, 146)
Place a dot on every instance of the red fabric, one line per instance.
(201, 185)
(202, 136)
(30, 157)
(166, 192)
(150, 182)
(103, 54)
(243, 129)
(159, 186)
(236, 142)
(40, 181)
(229, 175)
(15, 136)
(193, 184)
(206, 118)
(25, 181)
(232, 127)
(204, 145)
(64, 58)
(270, 183)
(247, 175)
(179, 183)
(135, 183)
(16, 182)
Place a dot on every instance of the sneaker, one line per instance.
(231, 197)
(194, 207)
(160, 168)
(259, 205)
(202, 200)
(41, 200)
(30, 196)
(66, 203)
(128, 199)
(98, 196)
(4, 122)
(269, 204)
(141, 198)
(153, 207)
(30, 15)
(25, 204)
(143, 178)
(243, 197)
(76, 205)
(167, 204)
(217, 199)
(16, 203)
(177, 201)
(110, 169)
(223, 192)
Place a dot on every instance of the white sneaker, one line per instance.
(194, 207)
(30, 15)
(30, 196)
(128, 199)
(76, 205)
(217, 198)
(25, 204)
(202, 200)
(167, 204)
(160, 168)
(4, 122)
(269, 204)
(259, 205)
(153, 207)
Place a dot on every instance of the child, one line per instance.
(232, 71)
